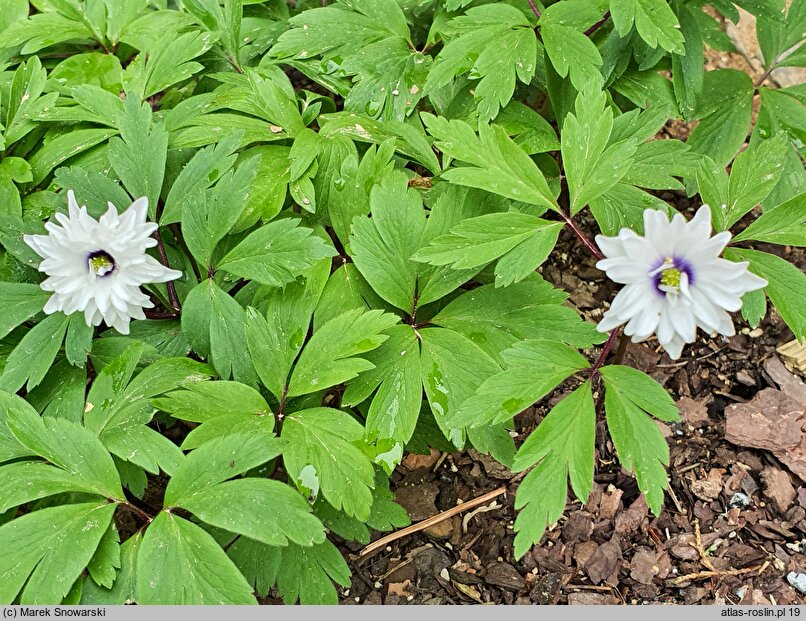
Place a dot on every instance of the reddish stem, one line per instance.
(605, 350)
(582, 237)
(597, 25)
(172, 296)
(535, 10)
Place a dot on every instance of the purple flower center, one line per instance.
(668, 272)
(100, 263)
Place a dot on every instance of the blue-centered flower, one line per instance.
(674, 280)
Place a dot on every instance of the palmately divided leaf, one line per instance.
(47, 550)
(654, 19)
(784, 224)
(562, 447)
(531, 309)
(495, 44)
(452, 369)
(332, 356)
(382, 246)
(262, 509)
(71, 447)
(302, 574)
(642, 390)
(217, 461)
(321, 457)
(591, 165)
(531, 370)
(396, 405)
(181, 564)
(496, 163)
(786, 288)
(640, 446)
(276, 253)
(124, 590)
(214, 324)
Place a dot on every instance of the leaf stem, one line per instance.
(582, 237)
(535, 10)
(137, 511)
(597, 25)
(764, 75)
(172, 296)
(605, 350)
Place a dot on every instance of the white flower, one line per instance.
(97, 266)
(675, 280)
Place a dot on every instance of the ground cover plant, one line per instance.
(253, 252)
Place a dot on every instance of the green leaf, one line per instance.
(382, 246)
(123, 591)
(571, 52)
(207, 217)
(640, 445)
(785, 224)
(562, 447)
(754, 174)
(532, 370)
(214, 324)
(21, 301)
(478, 241)
(786, 288)
(495, 44)
(654, 20)
(204, 401)
(169, 60)
(35, 353)
(409, 140)
(332, 354)
(179, 563)
(591, 166)
(496, 163)
(637, 387)
(276, 253)
(687, 66)
(754, 307)
(47, 550)
(395, 408)
(69, 446)
(725, 109)
(321, 457)
(623, 206)
(92, 189)
(495, 319)
(268, 511)
(452, 368)
(302, 574)
(106, 559)
(41, 481)
(392, 69)
(217, 461)
(275, 334)
(204, 169)
(139, 155)
(64, 147)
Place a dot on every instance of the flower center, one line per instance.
(100, 263)
(671, 276)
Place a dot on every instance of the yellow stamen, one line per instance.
(101, 265)
(670, 277)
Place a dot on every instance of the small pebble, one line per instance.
(739, 500)
(797, 580)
